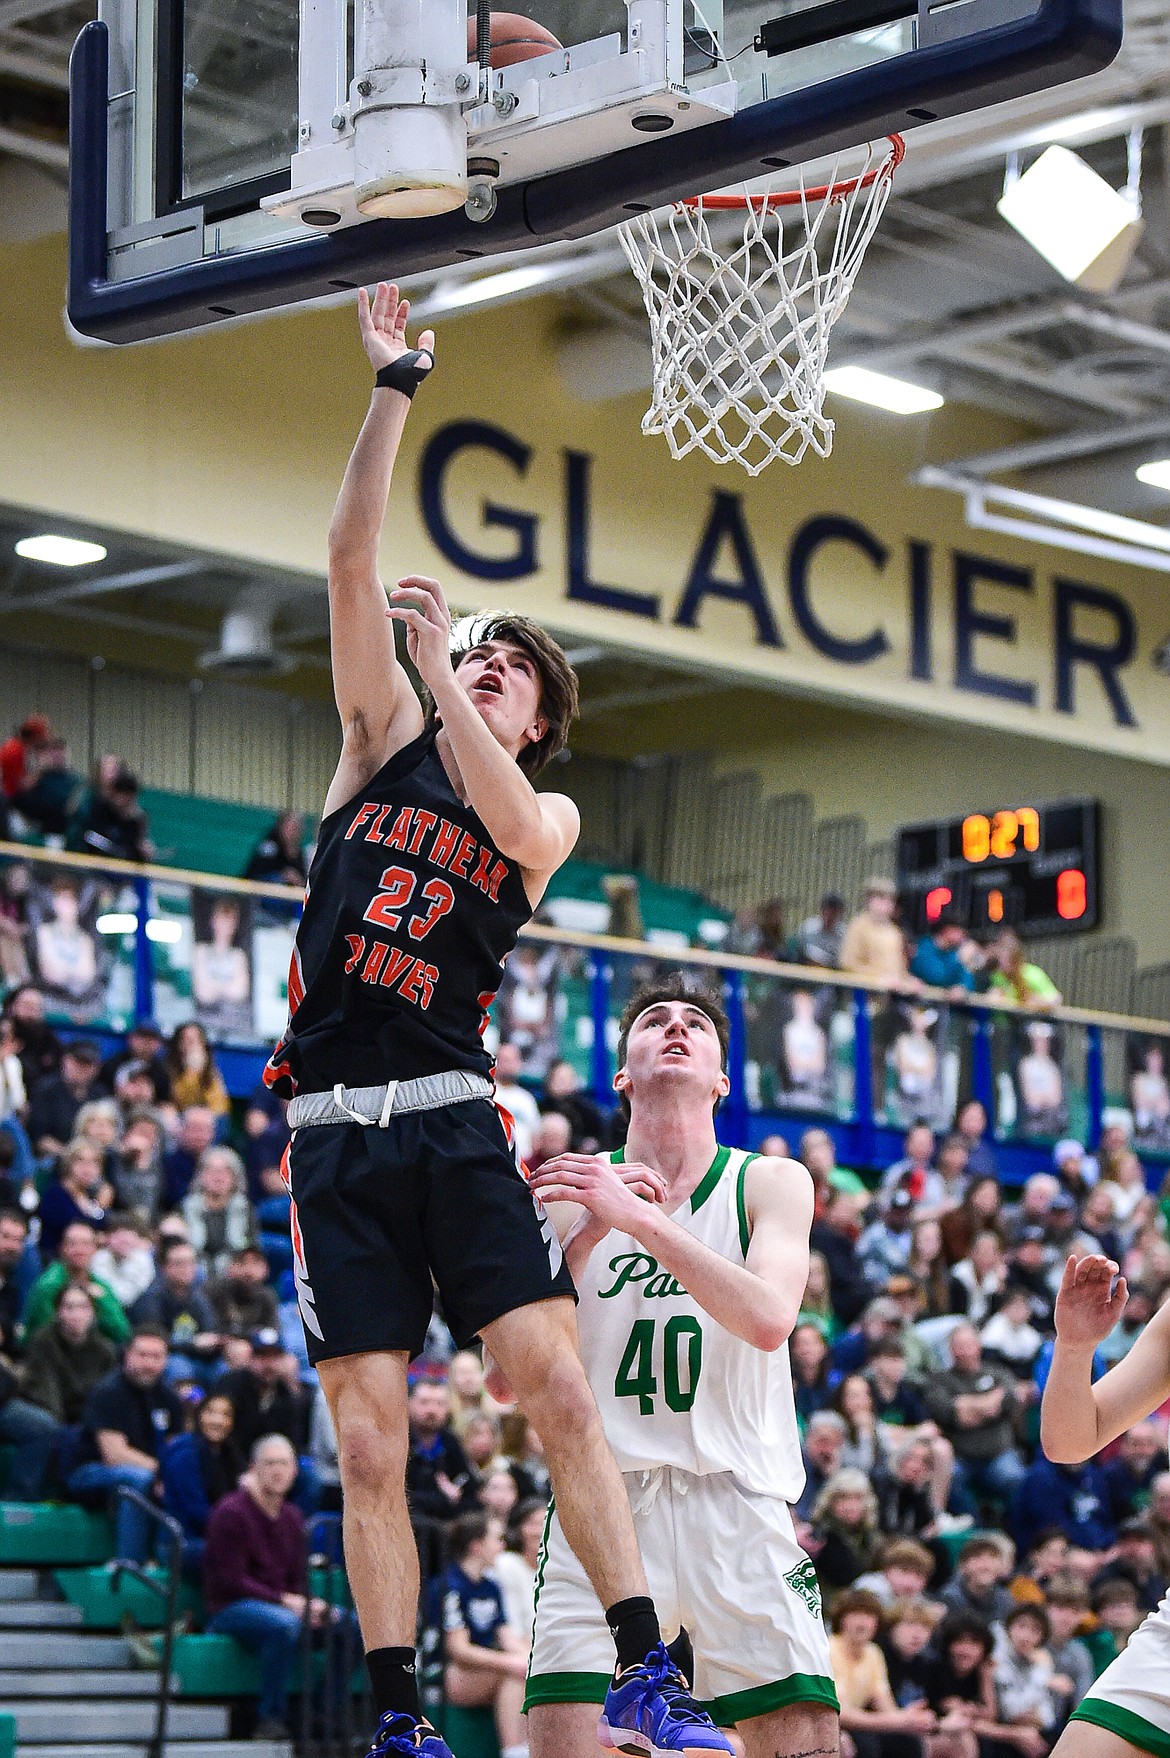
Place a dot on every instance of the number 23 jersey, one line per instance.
(673, 1386)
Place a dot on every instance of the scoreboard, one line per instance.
(1029, 867)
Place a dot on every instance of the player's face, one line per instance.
(674, 1042)
(503, 682)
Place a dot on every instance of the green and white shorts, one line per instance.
(1132, 1696)
(721, 1561)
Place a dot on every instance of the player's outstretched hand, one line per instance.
(612, 1194)
(382, 321)
(418, 603)
(1091, 1300)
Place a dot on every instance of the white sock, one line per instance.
(514, 1752)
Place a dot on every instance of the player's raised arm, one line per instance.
(1078, 1418)
(379, 710)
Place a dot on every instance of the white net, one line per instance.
(740, 321)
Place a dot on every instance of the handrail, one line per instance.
(167, 1591)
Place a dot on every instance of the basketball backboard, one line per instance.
(221, 150)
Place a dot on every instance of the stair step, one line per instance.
(47, 1683)
(174, 1749)
(18, 1584)
(39, 1614)
(62, 1649)
(42, 1723)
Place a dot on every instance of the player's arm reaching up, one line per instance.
(379, 710)
(758, 1300)
(1078, 1418)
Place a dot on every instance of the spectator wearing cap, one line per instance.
(56, 1099)
(20, 753)
(111, 821)
(873, 946)
(939, 958)
(1031, 1262)
(1077, 1173)
(975, 1405)
(882, 1318)
(76, 1194)
(885, 1245)
(819, 938)
(1074, 1498)
(267, 1395)
(144, 1043)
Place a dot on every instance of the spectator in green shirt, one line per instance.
(818, 1152)
(78, 1246)
(1011, 974)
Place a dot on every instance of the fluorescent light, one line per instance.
(484, 287)
(166, 933)
(60, 552)
(1157, 473)
(1074, 219)
(881, 391)
(116, 923)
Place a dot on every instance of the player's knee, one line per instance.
(369, 1458)
(563, 1407)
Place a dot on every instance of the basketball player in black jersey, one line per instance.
(433, 851)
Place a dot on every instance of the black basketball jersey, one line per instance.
(409, 915)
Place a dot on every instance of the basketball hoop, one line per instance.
(740, 326)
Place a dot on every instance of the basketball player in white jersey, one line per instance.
(1127, 1711)
(686, 1305)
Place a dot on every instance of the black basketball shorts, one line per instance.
(378, 1212)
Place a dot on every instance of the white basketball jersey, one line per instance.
(674, 1387)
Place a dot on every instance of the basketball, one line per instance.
(514, 38)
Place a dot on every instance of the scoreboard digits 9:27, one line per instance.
(1029, 867)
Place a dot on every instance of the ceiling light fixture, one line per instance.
(1156, 473)
(1086, 229)
(60, 552)
(880, 391)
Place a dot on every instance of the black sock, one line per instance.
(392, 1675)
(634, 1626)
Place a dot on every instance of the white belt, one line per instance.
(374, 1106)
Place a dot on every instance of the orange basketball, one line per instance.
(514, 38)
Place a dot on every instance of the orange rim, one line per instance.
(789, 198)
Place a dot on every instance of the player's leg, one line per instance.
(536, 1347)
(1082, 1739)
(563, 1730)
(367, 1400)
(800, 1730)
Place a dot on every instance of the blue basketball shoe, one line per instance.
(402, 1736)
(649, 1713)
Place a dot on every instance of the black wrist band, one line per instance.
(406, 373)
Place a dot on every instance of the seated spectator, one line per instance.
(845, 1538)
(55, 1099)
(254, 1576)
(977, 1588)
(1031, 1262)
(242, 1300)
(960, 1688)
(1009, 1337)
(133, 1089)
(1046, 1558)
(975, 1407)
(75, 1265)
(111, 822)
(139, 1179)
(498, 1494)
(523, 1449)
(13, 1096)
(882, 1318)
(323, 1452)
(197, 1471)
(99, 1122)
(66, 1359)
(1118, 1613)
(267, 1395)
(979, 1212)
(129, 1416)
(903, 1571)
(1012, 975)
(266, 1135)
(824, 1439)
(1034, 1208)
(589, 1128)
(124, 1260)
(13, 1278)
(20, 755)
(905, 1643)
(914, 1172)
(869, 1713)
(834, 1234)
(1023, 1673)
(1071, 1165)
(439, 1480)
(816, 1305)
(818, 1151)
(971, 1124)
(553, 1137)
(144, 1043)
(867, 1445)
(1130, 1474)
(808, 1355)
(1126, 1183)
(516, 1100)
(978, 1281)
(896, 1400)
(52, 792)
(177, 1306)
(515, 1569)
(927, 1267)
(197, 1126)
(1067, 1605)
(487, 1660)
(1136, 1561)
(10, 1194)
(873, 946)
(884, 1246)
(219, 1217)
(480, 1440)
(279, 856)
(37, 1045)
(819, 938)
(466, 1390)
(195, 1080)
(1097, 1221)
(907, 1506)
(74, 1195)
(942, 957)
(31, 1432)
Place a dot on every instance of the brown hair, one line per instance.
(856, 1599)
(678, 986)
(907, 1553)
(558, 680)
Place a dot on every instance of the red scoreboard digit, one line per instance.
(1026, 865)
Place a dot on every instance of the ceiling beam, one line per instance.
(71, 591)
(16, 11)
(52, 153)
(27, 61)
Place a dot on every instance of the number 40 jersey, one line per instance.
(673, 1386)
